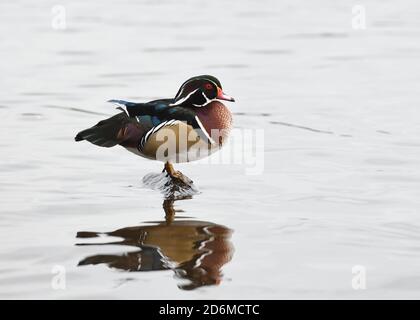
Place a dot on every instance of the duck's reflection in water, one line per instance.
(194, 250)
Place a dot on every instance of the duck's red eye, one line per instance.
(208, 86)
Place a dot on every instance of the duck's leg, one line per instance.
(169, 168)
(176, 176)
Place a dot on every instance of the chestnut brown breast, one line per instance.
(217, 116)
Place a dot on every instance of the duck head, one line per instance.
(199, 91)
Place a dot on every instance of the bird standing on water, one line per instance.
(188, 127)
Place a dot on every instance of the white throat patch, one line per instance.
(205, 103)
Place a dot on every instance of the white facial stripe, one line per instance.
(213, 83)
(181, 91)
(205, 103)
(204, 130)
(184, 99)
(183, 87)
(207, 99)
(188, 96)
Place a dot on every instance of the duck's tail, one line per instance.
(106, 133)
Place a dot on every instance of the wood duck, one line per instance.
(188, 127)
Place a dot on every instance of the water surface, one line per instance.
(341, 179)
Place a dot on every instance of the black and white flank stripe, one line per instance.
(167, 123)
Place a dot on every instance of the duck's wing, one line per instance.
(134, 109)
(107, 133)
(157, 114)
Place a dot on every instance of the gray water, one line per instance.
(339, 109)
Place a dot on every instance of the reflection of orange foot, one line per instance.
(168, 206)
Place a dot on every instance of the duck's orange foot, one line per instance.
(178, 178)
(173, 184)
